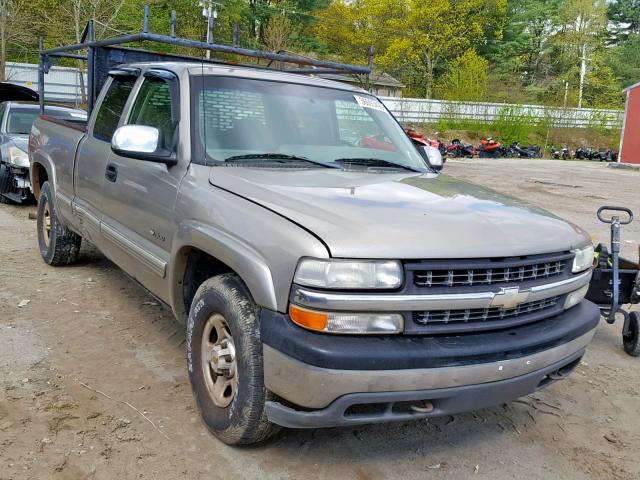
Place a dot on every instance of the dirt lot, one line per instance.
(93, 381)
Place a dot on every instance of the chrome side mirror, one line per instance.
(432, 155)
(141, 142)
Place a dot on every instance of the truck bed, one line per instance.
(53, 144)
(80, 125)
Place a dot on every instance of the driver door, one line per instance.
(138, 217)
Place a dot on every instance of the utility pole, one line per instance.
(210, 12)
(566, 92)
(583, 72)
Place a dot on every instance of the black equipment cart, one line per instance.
(616, 280)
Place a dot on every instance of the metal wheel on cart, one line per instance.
(631, 340)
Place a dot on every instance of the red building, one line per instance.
(630, 139)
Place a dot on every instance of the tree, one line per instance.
(14, 30)
(414, 39)
(277, 33)
(625, 16)
(467, 78)
(582, 31)
(625, 61)
(524, 49)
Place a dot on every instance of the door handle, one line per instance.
(111, 173)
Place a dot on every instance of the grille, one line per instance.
(487, 276)
(477, 315)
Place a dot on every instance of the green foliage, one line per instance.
(528, 33)
(414, 39)
(512, 124)
(467, 78)
(625, 16)
(625, 61)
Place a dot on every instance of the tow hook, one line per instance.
(422, 407)
(557, 375)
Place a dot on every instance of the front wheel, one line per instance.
(224, 355)
(58, 245)
(631, 341)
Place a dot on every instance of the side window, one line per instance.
(152, 107)
(111, 108)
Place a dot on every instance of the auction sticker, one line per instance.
(369, 102)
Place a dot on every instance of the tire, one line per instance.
(228, 386)
(58, 245)
(631, 342)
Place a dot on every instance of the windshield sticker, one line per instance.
(369, 102)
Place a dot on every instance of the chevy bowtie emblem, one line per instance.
(510, 298)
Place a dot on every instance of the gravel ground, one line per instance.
(93, 381)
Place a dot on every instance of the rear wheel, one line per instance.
(58, 245)
(224, 354)
(631, 341)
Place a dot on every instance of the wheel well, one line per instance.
(199, 267)
(40, 176)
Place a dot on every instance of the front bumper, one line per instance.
(15, 183)
(327, 380)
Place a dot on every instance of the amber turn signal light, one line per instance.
(308, 319)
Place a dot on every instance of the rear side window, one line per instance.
(111, 108)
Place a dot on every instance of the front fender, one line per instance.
(247, 262)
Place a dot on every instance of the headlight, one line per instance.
(583, 258)
(18, 157)
(349, 274)
(347, 322)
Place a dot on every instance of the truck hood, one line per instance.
(402, 215)
(18, 140)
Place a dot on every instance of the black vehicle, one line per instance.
(517, 150)
(15, 124)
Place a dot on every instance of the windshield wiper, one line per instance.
(275, 156)
(374, 162)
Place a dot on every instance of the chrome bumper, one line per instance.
(402, 303)
(313, 387)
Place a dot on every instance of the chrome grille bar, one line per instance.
(482, 314)
(487, 276)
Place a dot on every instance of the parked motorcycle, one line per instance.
(563, 153)
(584, 153)
(605, 155)
(459, 149)
(517, 150)
(490, 148)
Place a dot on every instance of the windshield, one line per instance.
(237, 118)
(20, 119)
